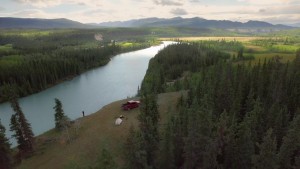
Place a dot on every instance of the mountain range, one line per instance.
(7, 22)
(196, 22)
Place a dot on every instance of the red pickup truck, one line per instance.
(130, 105)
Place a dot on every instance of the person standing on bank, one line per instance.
(82, 113)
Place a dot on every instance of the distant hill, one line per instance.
(192, 23)
(295, 25)
(7, 22)
(198, 23)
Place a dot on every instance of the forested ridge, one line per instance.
(234, 116)
(31, 61)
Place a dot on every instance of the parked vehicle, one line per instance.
(130, 105)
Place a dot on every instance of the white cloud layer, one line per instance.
(86, 11)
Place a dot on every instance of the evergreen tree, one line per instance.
(148, 119)
(200, 150)
(166, 157)
(254, 120)
(223, 133)
(5, 151)
(244, 148)
(290, 145)
(59, 115)
(22, 129)
(240, 53)
(135, 153)
(267, 157)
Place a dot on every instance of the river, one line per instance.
(87, 92)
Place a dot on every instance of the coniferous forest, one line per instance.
(234, 115)
(34, 60)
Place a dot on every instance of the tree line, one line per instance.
(234, 115)
(36, 62)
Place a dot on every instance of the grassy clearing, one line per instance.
(284, 48)
(255, 49)
(97, 131)
(260, 47)
(33, 32)
(126, 44)
(284, 57)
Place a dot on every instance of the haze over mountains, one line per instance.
(147, 22)
(192, 23)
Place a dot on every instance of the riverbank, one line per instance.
(95, 132)
(123, 50)
(87, 92)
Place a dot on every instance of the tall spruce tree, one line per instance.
(135, 154)
(291, 145)
(199, 146)
(244, 148)
(22, 129)
(267, 157)
(5, 151)
(148, 119)
(59, 115)
(167, 158)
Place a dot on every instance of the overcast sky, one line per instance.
(95, 11)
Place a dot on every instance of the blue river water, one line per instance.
(87, 92)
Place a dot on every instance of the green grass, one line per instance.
(284, 48)
(284, 57)
(33, 32)
(260, 47)
(97, 131)
(126, 44)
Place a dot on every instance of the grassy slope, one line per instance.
(96, 132)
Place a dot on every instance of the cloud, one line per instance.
(275, 11)
(194, 1)
(2, 8)
(51, 3)
(178, 11)
(40, 3)
(262, 10)
(81, 3)
(269, 2)
(31, 13)
(168, 2)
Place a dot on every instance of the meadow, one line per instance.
(260, 48)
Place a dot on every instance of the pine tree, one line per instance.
(59, 116)
(166, 157)
(200, 150)
(290, 145)
(267, 157)
(148, 119)
(244, 147)
(135, 153)
(5, 151)
(254, 120)
(22, 129)
(240, 53)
